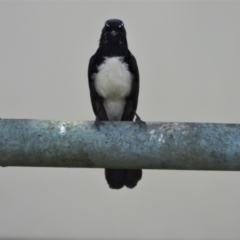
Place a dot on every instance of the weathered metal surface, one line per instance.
(193, 146)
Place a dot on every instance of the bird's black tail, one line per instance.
(118, 178)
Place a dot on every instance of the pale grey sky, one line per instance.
(188, 55)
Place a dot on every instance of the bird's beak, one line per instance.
(114, 33)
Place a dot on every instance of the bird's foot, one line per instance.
(97, 123)
(141, 123)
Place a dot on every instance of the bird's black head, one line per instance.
(113, 33)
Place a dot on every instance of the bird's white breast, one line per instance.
(113, 82)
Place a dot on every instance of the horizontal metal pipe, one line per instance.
(192, 146)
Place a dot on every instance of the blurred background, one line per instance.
(188, 55)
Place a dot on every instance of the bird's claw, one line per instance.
(97, 123)
(141, 123)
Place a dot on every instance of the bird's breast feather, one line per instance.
(113, 79)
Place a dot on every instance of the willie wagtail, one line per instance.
(114, 85)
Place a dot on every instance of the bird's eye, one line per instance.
(107, 26)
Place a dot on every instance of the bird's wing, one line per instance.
(132, 99)
(96, 100)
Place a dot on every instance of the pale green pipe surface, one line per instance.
(193, 146)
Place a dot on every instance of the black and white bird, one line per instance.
(114, 85)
